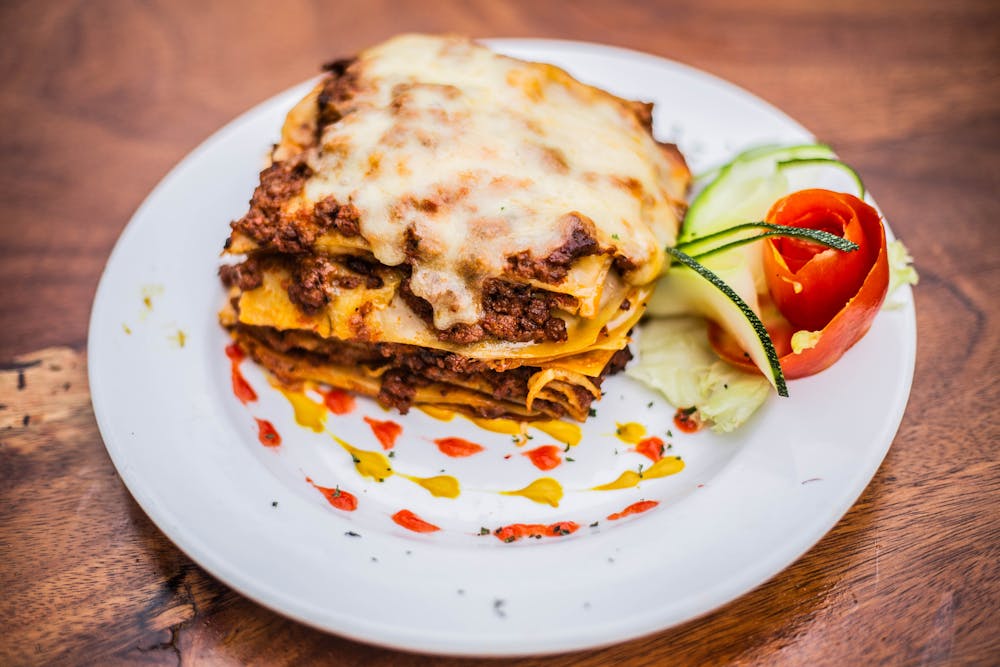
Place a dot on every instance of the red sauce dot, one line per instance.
(457, 447)
(338, 402)
(545, 457)
(235, 353)
(516, 531)
(411, 521)
(651, 448)
(634, 508)
(337, 497)
(241, 387)
(266, 433)
(686, 420)
(561, 528)
(386, 431)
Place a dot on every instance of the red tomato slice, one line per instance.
(807, 282)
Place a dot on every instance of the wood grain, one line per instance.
(101, 98)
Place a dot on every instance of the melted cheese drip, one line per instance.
(441, 414)
(662, 468)
(543, 490)
(480, 156)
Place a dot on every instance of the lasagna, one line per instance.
(444, 226)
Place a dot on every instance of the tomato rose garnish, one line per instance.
(826, 298)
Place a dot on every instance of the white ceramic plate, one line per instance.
(744, 507)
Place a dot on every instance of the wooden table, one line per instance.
(99, 99)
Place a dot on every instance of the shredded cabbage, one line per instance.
(901, 270)
(675, 358)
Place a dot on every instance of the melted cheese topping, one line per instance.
(458, 158)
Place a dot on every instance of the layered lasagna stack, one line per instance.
(445, 226)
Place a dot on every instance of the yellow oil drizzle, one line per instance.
(376, 466)
(179, 338)
(434, 411)
(308, 412)
(442, 486)
(631, 432)
(508, 426)
(662, 468)
(368, 464)
(543, 490)
(565, 432)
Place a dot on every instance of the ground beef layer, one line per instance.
(396, 374)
